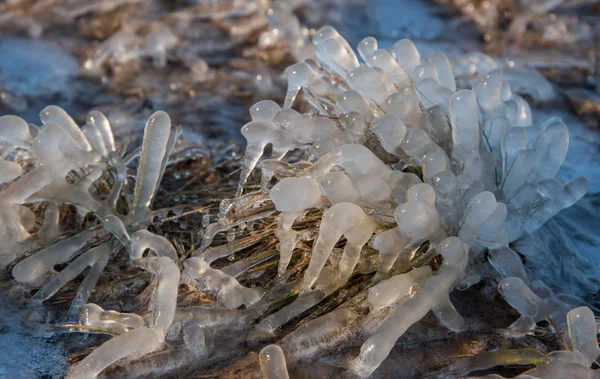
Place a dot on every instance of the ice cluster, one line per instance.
(391, 154)
(59, 162)
(396, 156)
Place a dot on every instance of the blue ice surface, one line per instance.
(414, 19)
(34, 70)
(23, 353)
(32, 67)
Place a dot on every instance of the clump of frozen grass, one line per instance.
(396, 154)
(69, 165)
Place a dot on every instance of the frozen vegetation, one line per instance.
(435, 165)
(396, 154)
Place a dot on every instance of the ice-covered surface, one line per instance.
(23, 349)
(412, 19)
(28, 82)
(32, 67)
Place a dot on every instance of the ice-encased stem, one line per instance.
(319, 333)
(214, 317)
(103, 126)
(230, 293)
(50, 229)
(143, 340)
(302, 303)
(519, 296)
(213, 253)
(121, 171)
(75, 268)
(154, 148)
(88, 284)
(31, 270)
(434, 295)
(173, 135)
(137, 342)
(164, 300)
(92, 134)
(214, 228)
(54, 114)
(15, 131)
(551, 148)
(143, 239)
(109, 320)
(391, 244)
(582, 331)
(465, 123)
(290, 96)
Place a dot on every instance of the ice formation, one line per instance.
(397, 153)
(126, 45)
(69, 164)
(392, 155)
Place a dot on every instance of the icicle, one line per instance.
(156, 137)
(50, 229)
(230, 293)
(54, 114)
(73, 270)
(15, 131)
(258, 134)
(345, 219)
(143, 239)
(33, 269)
(101, 123)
